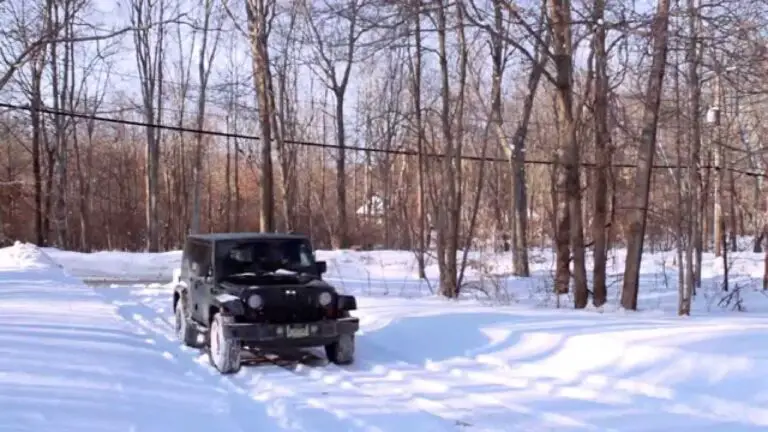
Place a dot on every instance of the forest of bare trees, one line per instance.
(432, 126)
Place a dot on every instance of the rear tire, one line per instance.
(185, 329)
(224, 354)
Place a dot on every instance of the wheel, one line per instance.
(341, 352)
(224, 353)
(185, 330)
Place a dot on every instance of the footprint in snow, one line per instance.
(150, 341)
(193, 376)
(169, 356)
(240, 390)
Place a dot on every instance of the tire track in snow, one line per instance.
(648, 395)
(602, 390)
(274, 398)
(343, 379)
(408, 381)
(336, 403)
(433, 379)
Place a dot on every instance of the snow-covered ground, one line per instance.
(104, 358)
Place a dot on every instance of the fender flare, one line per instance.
(179, 290)
(229, 303)
(346, 302)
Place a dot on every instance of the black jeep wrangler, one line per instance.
(259, 291)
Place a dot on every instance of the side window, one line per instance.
(200, 260)
(305, 255)
(186, 260)
(205, 259)
(298, 252)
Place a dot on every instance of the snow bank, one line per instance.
(23, 256)
(117, 265)
(392, 273)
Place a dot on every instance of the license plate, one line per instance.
(297, 332)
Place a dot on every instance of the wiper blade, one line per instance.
(241, 274)
(286, 270)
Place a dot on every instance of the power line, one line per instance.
(349, 148)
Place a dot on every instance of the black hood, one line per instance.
(271, 278)
(239, 285)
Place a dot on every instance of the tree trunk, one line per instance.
(447, 221)
(694, 247)
(515, 152)
(603, 156)
(340, 238)
(416, 95)
(638, 212)
(150, 57)
(570, 224)
(257, 14)
(37, 135)
(203, 74)
(717, 182)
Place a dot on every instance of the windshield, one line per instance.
(261, 256)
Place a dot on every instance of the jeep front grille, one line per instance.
(289, 305)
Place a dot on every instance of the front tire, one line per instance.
(224, 354)
(185, 330)
(342, 352)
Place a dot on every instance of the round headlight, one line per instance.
(325, 298)
(255, 301)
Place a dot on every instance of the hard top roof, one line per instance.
(229, 236)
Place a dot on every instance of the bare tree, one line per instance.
(334, 32)
(259, 14)
(287, 70)
(150, 54)
(569, 218)
(204, 62)
(539, 57)
(65, 93)
(36, 72)
(176, 163)
(84, 163)
(415, 64)
(638, 212)
(515, 151)
(448, 200)
(21, 42)
(602, 153)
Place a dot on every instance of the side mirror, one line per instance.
(322, 267)
(347, 302)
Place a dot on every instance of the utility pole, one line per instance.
(714, 118)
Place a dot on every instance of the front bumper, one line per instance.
(291, 333)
